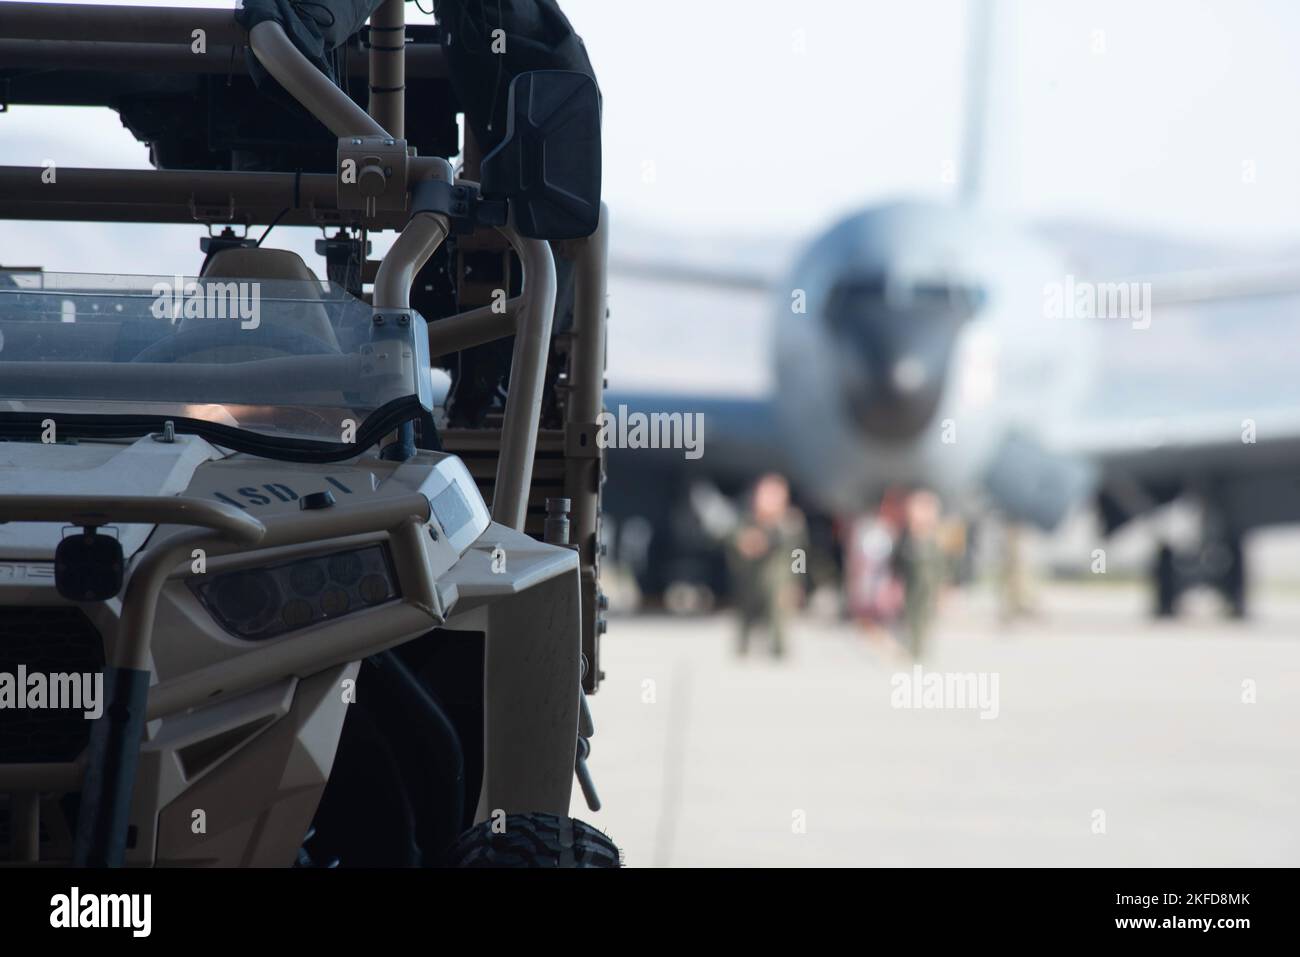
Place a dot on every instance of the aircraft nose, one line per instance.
(895, 399)
(893, 357)
(908, 375)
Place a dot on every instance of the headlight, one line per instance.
(260, 603)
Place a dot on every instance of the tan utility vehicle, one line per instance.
(254, 608)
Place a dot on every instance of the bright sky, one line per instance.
(755, 117)
(1136, 113)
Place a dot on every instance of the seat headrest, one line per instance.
(241, 262)
(255, 263)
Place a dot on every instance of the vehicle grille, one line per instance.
(49, 639)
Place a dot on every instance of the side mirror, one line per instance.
(548, 165)
(89, 566)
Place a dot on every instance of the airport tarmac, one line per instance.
(1117, 740)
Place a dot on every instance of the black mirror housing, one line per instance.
(89, 567)
(548, 165)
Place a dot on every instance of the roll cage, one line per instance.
(225, 155)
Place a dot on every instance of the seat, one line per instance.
(255, 264)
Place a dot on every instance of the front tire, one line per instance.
(533, 840)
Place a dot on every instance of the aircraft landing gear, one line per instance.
(1165, 576)
(1233, 581)
(1219, 564)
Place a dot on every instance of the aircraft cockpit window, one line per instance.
(851, 301)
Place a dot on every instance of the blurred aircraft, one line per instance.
(922, 345)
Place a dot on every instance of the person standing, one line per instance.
(761, 556)
(919, 562)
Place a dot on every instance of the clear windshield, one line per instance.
(282, 358)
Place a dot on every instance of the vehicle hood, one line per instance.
(145, 467)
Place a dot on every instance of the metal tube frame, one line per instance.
(473, 327)
(388, 67)
(114, 24)
(514, 475)
(424, 61)
(415, 244)
(308, 85)
(177, 196)
(584, 461)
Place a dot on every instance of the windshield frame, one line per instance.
(28, 426)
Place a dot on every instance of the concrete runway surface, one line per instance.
(1117, 741)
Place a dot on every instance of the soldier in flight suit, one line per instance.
(761, 557)
(920, 564)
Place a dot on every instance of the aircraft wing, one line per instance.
(684, 274)
(1222, 285)
(1205, 400)
(735, 437)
